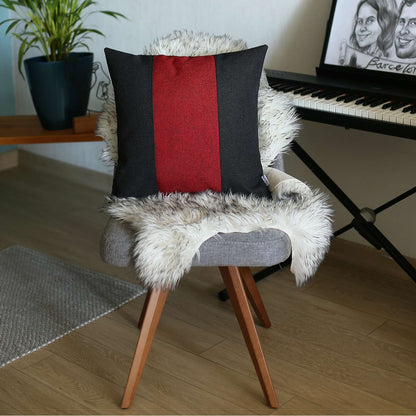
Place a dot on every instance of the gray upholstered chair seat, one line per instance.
(257, 248)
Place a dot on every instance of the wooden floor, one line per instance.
(345, 343)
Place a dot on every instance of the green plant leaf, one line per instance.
(91, 30)
(22, 50)
(5, 21)
(54, 27)
(11, 26)
(8, 4)
(112, 14)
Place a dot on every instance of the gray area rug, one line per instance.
(43, 298)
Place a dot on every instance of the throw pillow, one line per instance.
(187, 124)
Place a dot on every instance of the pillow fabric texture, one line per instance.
(187, 124)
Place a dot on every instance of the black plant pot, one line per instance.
(60, 90)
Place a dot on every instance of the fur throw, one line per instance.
(169, 229)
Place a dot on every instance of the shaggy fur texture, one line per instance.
(169, 229)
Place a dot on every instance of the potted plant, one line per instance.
(60, 79)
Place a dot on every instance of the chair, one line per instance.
(233, 253)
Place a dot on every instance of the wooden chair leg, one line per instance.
(146, 302)
(254, 296)
(152, 313)
(235, 288)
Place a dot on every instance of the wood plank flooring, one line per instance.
(345, 343)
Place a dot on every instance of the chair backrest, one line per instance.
(278, 123)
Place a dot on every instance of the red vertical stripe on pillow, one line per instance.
(185, 118)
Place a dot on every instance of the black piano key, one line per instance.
(324, 94)
(341, 97)
(316, 93)
(379, 102)
(309, 91)
(282, 86)
(409, 108)
(397, 105)
(361, 100)
(290, 88)
(333, 94)
(376, 101)
(350, 98)
(413, 110)
(387, 105)
(276, 84)
(345, 97)
(370, 100)
(298, 91)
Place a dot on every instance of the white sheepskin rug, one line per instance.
(169, 229)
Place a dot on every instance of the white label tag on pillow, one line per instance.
(265, 180)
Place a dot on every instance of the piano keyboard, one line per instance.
(387, 110)
(350, 104)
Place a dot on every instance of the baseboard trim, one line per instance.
(67, 171)
(9, 160)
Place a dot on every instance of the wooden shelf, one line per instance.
(28, 130)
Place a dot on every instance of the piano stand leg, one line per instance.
(363, 221)
(375, 237)
(362, 227)
(394, 253)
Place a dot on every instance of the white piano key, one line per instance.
(309, 102)
(301, 101)
(304, 101)
(407, 120)
(392, 116)
(339, 106)
(332, 102)
(352, 109)
(379, 112)
(321, 104)
(372, 113)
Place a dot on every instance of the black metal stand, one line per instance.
(363, 221)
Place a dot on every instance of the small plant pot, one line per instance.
(60, 90)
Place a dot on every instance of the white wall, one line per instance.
(371, 167)
(274, 21)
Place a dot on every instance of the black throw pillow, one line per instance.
(187, 124)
